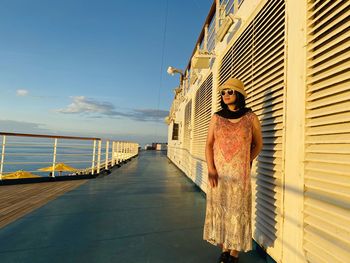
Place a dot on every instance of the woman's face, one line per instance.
(228, 96)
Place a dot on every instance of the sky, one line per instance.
(94, 67)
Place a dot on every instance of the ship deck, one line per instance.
(145, 211)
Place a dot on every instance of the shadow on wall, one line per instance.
(198, 180)
(265, 192)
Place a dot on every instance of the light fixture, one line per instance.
(171, 71)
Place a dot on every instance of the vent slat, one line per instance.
(327, 130)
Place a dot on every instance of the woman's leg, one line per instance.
(234, 253)
(225, 254)
(224, 249)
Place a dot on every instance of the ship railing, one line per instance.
(51, 155)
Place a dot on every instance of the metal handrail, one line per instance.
(103, 154)
(48, 136)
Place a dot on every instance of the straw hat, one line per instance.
(234, 84)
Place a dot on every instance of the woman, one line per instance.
(234, 141)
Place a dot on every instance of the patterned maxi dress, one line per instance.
(228, 208)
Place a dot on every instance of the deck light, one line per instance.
(171, 71)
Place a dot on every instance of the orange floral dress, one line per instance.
(229, 205)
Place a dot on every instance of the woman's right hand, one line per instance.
(213, 178)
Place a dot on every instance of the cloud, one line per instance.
(25, 93)
(81, 104)
(22, 127)
(21, 92)
(96, 109)
(148, 114)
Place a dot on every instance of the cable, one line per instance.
(162, 63)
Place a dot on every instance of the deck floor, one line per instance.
(18, 200)
(144, 211)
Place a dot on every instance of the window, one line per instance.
(175, 131)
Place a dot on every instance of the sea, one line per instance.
(31, 154)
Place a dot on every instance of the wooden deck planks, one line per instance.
(18, 200)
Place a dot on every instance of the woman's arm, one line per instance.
(209, 155)
(257, 141)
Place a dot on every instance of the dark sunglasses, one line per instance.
(228, 91)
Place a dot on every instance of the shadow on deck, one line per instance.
(144, 211)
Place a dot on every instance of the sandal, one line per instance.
(224, 257)
(232, 259)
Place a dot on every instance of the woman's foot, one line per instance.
(224, 257)
(232, 259)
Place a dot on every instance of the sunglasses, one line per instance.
(228, 91)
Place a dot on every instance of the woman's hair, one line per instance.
(240, 101)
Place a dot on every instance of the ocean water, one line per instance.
(30, 154)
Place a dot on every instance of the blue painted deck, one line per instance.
(144, 211)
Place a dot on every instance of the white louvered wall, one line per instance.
(202, 115)
(327, 142)
(257, 57)
(260, 54)
(187, 136)
(187, 125)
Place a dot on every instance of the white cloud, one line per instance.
(22, 92)
(149, 114)
(97, 109)
(81, 104)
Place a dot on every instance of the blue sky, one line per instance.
(93, 67)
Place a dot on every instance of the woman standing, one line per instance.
(234, 141)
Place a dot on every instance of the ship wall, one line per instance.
(293, 57)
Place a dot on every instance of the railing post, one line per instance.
(99, 156)
(122, 151)
(235, 6)
(93, 158)
(117, 151)
(217, 16)
(205, 39)
(127, 151)
(2, 155)
(113, 150)
(54, 158)
(107, 152)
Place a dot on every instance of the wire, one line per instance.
(162, 63)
